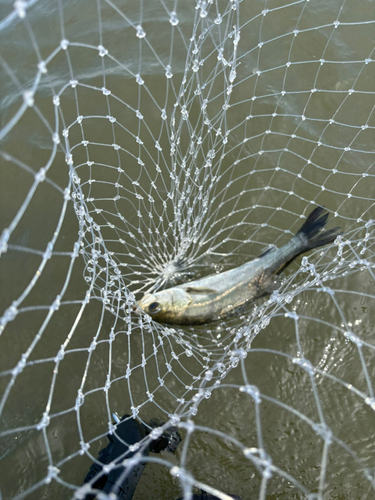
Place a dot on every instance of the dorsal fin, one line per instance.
(270, 249)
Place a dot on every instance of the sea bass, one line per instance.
(218, 296)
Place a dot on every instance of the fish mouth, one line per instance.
(138, 309)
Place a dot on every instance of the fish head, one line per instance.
(166, 306)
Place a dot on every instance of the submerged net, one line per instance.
(146, 144)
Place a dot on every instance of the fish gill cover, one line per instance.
(147, 144)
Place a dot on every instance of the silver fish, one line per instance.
(218, 296)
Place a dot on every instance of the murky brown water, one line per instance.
(302, 160)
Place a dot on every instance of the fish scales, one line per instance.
(219, 296)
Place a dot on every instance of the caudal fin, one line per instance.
(311, 231)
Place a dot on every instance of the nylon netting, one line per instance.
(145, 144)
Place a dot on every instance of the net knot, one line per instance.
(28, 97)
(82, 492)
(84, 447)
(79, 399)
(305, 365)
(370, 402)
(353, 338)
(139, 79)
(20, 6)
(106, 496)
(60, 355)
(64, 43)
(9, 314)
(140, 31)
(44, 422)
(253, 391)
(20, 365)
(181, 473)
(42, 67)
(261, 460)
(174, 419)
(323, 431)
(173, 19)
(102, 51)
(53, 472)
(4, 238)
(292, 315)
(135, 411)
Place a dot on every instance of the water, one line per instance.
(242, 218)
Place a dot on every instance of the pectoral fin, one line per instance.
(199, 290)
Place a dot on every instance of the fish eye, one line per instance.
(154, 307)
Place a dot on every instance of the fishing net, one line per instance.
(146, 144)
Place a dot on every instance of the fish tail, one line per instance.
(311, 234)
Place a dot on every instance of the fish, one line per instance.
(219, 296)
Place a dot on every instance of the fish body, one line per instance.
(218, 296)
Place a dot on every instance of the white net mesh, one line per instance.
(145, 144)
